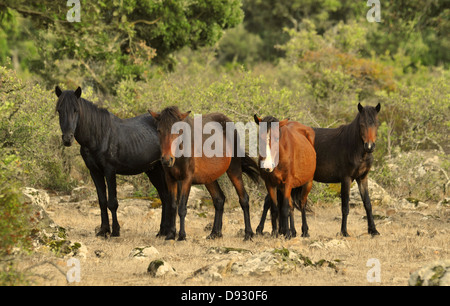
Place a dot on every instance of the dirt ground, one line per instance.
(409, 239)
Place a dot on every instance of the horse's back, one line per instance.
(304, 130)
(300, 153)
(136, 144)
(331, 154)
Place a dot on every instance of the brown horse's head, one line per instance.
(368, 125)
(269, 138)
(165, 120)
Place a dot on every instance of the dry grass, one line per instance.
(409, 240)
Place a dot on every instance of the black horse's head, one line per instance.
(68, 108)
(368, 125)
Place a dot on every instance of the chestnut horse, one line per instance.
(183, 171)
(296, 165)
(344, 154)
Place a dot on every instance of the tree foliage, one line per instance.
(115, 39)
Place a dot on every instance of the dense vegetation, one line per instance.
(310, 60)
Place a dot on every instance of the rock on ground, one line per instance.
(436, 273)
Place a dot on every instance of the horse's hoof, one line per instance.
(214, 235)
(259, 231)
(345, 234)
(181, 238)
(115, 234)
(103, 233)
(305, 235)
(248, 236)
(373, 232)
(170, 236)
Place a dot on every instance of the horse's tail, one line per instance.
(296, 197)
(250, 167)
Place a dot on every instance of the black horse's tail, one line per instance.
(296, 196)
(250, 167)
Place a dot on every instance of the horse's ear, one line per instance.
(182, 116)
(257, 119)
(58, 91)
(283, 122)
(78, 92)
(154, 115)
(378, 107)
(360, 107)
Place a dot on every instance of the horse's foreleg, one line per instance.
(345, 197)
(364, 191)
(285, 211)
(157, 178)
(183, 195)
(218, 199)
(100, 186)
(112, 201)
(172, 187)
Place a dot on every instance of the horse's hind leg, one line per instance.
(267, 205)
(235, 175)
(304, 198)
(218, 199)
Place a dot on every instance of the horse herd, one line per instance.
(110, 146)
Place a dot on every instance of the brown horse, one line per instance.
(344, 154)
(184, 166)
(296, 165)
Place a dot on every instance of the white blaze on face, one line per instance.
(267, 162)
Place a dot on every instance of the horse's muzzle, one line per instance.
(67, 139)
(369, 147)
(168, 161)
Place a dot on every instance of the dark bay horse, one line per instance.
(344, 154)
(110, 146)
(295, 167)
(187, 169)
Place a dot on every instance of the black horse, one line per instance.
(110, 146)
(344, 154)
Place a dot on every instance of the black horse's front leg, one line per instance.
(345, 198)
(98, 177)
(157, 178)
(364, 192)
(99, 181)
(112, 201)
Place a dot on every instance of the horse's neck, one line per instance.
(94, 126)
(353, 139)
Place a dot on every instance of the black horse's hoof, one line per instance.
(373, 232)
(103, 232)
(248, 236)
(170, 236)
(214, 235)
